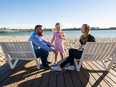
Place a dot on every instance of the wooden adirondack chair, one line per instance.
(98, 51)
(19, 51)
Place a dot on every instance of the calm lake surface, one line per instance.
(96, 33)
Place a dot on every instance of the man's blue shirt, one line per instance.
(39, 42)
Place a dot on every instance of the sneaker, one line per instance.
(56, 68)
(71, 67)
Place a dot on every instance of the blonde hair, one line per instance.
(55, 30)
(84, 37)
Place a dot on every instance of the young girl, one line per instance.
(58, 38)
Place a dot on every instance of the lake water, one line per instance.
(96, 33)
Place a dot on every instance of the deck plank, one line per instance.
(60, 79)
(27, 75)
(100, 65)
(75, 79)
(98, 81)
(106, 76)
(45, 80)
(53, 79)
(7, 77)
(16, 77)
(68, 80)
(5, 70)
(89, 76)
(84, 80)
(38, 78)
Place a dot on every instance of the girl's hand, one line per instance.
(51, 45)
(61, 37)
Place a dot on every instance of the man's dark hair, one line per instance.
(37, 26)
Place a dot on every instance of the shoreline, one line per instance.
(31, 30)
(49, 29)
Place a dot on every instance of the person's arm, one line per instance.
(46, 42)
(91, 39)
(39, 43)
(53, 39)
(81, 47)
(63, 36)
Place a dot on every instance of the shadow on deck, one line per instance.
(26, 74)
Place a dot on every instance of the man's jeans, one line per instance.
(43, 54)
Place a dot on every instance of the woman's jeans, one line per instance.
(73, 54)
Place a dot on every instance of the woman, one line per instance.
(76, 53)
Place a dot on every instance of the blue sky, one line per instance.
(70, 13)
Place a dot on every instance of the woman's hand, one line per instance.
(81, 47)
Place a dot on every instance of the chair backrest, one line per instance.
(18, 50)
(99, 50)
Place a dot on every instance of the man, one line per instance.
(41, 46)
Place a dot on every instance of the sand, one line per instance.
(71, 42)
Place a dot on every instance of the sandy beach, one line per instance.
(71, 42)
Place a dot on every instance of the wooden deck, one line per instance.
(26, 74)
